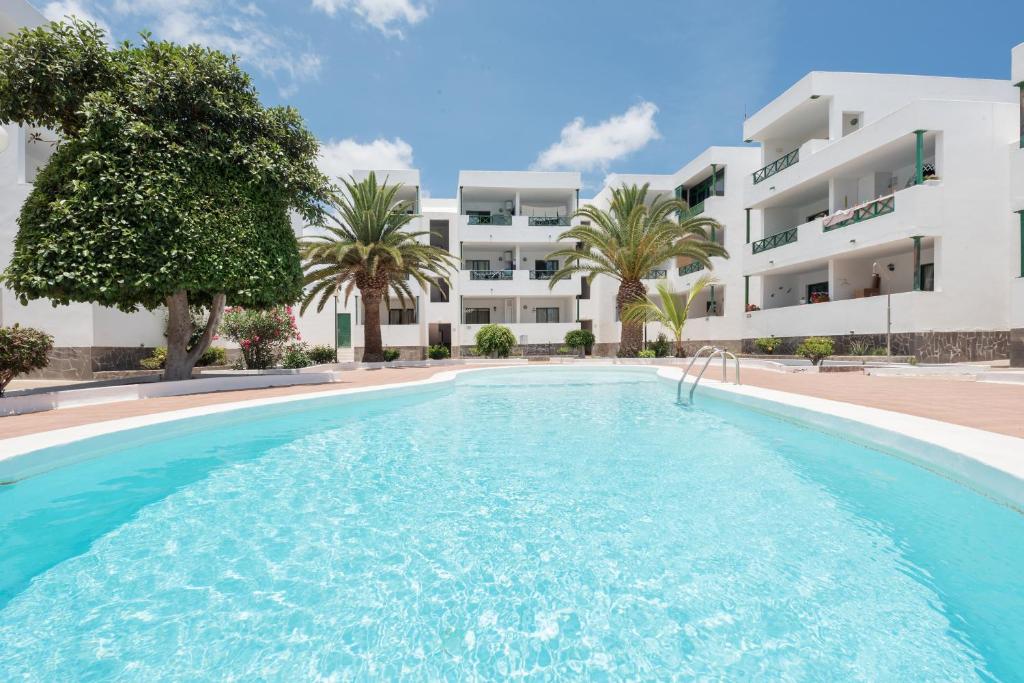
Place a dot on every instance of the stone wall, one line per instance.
(927, 347)
(408, 352)
(80, 362)
(1017, 348)
(518, 351)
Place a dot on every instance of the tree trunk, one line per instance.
(631, 341)
(373, 347)
(180, 358)
(680, 351)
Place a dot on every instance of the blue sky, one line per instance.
(595, 86)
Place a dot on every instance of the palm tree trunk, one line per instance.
(680, 351)
(373, 347)
(631, 340)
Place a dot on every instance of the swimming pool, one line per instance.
(543, 522)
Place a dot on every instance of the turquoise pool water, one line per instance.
(537, 523)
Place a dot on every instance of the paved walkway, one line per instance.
(993, 407)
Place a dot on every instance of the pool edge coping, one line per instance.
(989, 460)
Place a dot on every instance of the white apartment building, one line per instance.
(87, 337)
(872, 208)
(1017, 222)
(884, 208)
(500, 229)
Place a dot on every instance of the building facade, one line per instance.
(884, 211)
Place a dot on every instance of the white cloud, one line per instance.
(61, 9)
(233, 26)
(383, 15)
(587, 148)
(339, 158)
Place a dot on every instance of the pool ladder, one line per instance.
(713, 352)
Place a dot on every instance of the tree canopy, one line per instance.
(169, 175)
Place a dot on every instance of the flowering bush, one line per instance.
(22, 349)
(296, 356)
(262, 334)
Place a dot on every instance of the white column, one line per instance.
(517, 204)
(516, 256)
(517, 315)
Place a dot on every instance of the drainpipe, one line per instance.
(748, 226)
(1021, 214)
(746, 291)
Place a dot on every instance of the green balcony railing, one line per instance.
(493, 219)
(549, 221)
(656, 274)
(490, 275)
(691, 268)
(772, 241)
(695, 210)
(879, 207)
(542, 274)
(780, 164)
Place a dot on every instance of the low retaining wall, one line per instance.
(80, 362)
(35, 402)
(927, 347)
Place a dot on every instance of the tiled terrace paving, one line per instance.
(993, 407)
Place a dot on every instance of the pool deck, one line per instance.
(996, 408)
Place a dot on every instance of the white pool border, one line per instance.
(990, 463)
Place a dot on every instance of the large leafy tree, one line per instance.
(628, 240)
(171, 184)
(367, 246)
(669, 309)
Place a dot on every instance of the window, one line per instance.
(547, 315)
(478, 316)
(401, 316)
(927, 277)
(478, 264)
(439, 291)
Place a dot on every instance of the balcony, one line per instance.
(777, 166)
(490, 274)
(492, 219)
(773, 241)
(695, 210)
(694, 267)
(548, 221)
(509, 283)
(542, 274)
(858, 214)
(656, 274)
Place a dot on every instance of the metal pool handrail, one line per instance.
(715, 351)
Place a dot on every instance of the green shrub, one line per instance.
(157, 360)
(438, 352)
(878, 351)
(214, 355)
(22, 349)
(859, 348)
(816, 349)
(322, 353)
(295, 356)
(495, 340)
(579, 339)
(647, 353)
(661, 346)
(391, 355)
(261, 334)
(768, 344)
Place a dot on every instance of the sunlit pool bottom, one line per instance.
(548, 523)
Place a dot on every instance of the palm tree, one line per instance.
(629, 240)
(668, 311)
(368, 247)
